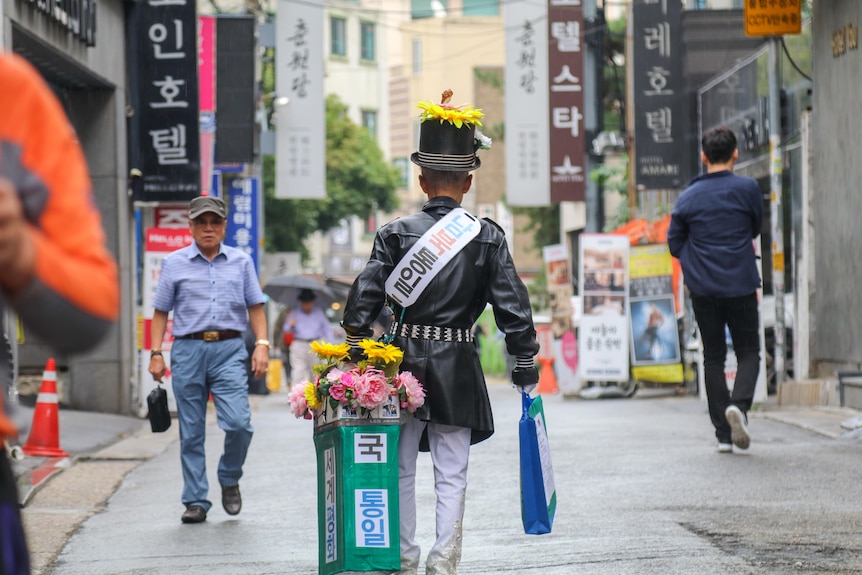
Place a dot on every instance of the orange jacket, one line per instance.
(74, 298)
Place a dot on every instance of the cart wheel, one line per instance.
(692, 383)
(629, 388)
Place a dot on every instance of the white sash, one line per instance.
(430, 254)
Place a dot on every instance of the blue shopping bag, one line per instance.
(538, 494)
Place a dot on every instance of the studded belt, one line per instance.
(432, 332)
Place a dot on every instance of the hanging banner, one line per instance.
(243, 217)
(301, 122)
(166, 102)
(604, 332)
(566, 97)
(659, 91)
(527, 88)
(654, 338)
(206, 48)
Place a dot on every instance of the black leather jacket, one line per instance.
(479, 274)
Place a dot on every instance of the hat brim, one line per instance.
(198, 213)
(445, 163)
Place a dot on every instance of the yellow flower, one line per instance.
(311, 397)
(331, 351)
(385, 353)
(454, 115)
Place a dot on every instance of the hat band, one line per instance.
(455, 161)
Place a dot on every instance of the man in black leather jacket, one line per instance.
(457, 410)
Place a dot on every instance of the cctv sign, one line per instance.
(773, 17)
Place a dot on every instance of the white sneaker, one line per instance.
(738, 427)
(724, 448)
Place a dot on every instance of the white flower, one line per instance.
(481, 141)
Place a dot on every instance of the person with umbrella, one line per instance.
(307, 323)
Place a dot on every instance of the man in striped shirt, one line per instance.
(214, 293)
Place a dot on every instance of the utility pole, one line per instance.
(776, 212)
(592, 112)
(774, 20)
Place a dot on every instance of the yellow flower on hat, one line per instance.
(457, 115)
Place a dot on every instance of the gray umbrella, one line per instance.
(285, 289)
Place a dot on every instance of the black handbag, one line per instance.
(159, 415)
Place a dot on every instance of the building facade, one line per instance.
(835, 200)
(78, 47)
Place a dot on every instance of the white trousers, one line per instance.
(302, 360)
(450, 450)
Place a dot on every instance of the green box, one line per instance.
(357, 495)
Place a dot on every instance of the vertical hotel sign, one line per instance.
(527, 128)
(169, 137)
(660, 116)
(301, 122)
(566, 100)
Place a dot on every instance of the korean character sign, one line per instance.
(538, 493)
(357, 479)
(164, 94)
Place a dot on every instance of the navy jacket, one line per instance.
(711, 232)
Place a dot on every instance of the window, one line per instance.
(481, 8)
(369, 121)
(428, 9)
(338, 36)
(417, 56)
(367, 47)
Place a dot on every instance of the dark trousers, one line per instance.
(14, 559)
(740, 316)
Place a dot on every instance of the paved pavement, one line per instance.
(60, 495)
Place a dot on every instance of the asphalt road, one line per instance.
(640, 491)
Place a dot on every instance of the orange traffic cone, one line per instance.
(547, 378)
(44, 438)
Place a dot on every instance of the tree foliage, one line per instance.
(359, 182)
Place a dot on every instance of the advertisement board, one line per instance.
(603, 349)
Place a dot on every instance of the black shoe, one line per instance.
(231, 500)
(194, 514)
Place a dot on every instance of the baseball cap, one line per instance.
(204, 204)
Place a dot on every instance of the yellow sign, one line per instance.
(773, 17)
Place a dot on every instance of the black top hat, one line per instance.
(444, 146)
(306, 295)
(448, 138)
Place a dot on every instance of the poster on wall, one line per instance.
(604, 332)
(560, 288)
(563, 346)
(654, 341)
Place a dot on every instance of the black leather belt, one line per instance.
(215, 335)
(433, 332)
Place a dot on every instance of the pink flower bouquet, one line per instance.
(360, 387)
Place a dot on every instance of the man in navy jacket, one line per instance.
(712, 230)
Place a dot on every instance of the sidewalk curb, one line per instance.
(141, 445)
